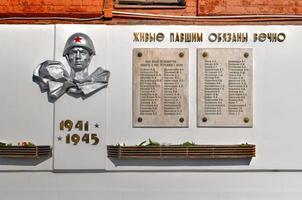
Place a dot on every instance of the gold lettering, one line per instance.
(182, 37)
(171, 37)
(185, 37)
(269, 37)
(245, 37)
(160, 37)
(281, 37)
(188, 37)
(199, 37)
(177, 38)
(135, 37)
(212, 37)
(148, 37)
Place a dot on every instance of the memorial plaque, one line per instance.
(160, 87)
(225, 87)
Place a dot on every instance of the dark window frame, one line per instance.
(155, 4)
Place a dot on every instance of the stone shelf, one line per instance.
(25, 152)
(242, 151)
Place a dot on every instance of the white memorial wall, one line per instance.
(26, 114)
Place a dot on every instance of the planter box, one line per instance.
(25, 152)
(181, 152)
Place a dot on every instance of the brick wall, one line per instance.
(74, 8)
(190, 10)
(71, 8)
(242, 7)
(193, 8)
(94, 8)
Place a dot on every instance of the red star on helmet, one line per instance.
(77, 39)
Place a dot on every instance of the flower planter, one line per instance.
(182, 152)
(25, 152)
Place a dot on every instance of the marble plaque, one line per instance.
(160, 87)
(225, 80)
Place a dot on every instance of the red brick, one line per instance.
(231, 7)
(4, 2)
(194, 7)
(56, 9)
(75, 9)
(76, 2)
(57, 2)
(93, 9)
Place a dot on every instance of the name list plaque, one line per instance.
(224, 87)
(160, 87)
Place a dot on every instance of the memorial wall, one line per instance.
(86, 90)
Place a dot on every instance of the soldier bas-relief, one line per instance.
(53, 77)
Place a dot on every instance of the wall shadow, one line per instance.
(23, 161)
(180, 162)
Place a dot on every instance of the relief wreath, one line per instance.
(53, 77)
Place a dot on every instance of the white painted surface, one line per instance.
(26, 115)
(91, 109)
(276, 130)
(153, 185)
(276, 102)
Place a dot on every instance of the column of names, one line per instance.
(160, 95)
(224, 87)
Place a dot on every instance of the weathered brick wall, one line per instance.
(193, 8)
(71, 8)
(243, 7)
(74, 8)
(94, 8)
(190, 10)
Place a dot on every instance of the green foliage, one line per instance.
(152, 143)
(244, 144)
(142, 143)
(188, 144)
(31, 144)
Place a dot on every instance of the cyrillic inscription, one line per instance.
(225, 87)
(160, 88)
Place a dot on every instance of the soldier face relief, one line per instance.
(53, 77)
(78, 59)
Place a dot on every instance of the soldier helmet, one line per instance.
(79, 40)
